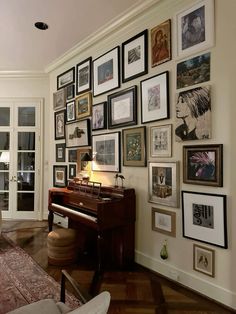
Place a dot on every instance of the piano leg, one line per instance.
(50, 220)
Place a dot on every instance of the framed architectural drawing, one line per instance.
(160, 141)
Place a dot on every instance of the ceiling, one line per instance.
(25, 48)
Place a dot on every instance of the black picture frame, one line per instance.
(99, 116)
(72, 155)
(83, 76)
(72, 171)
(59, 176)
(59, 124)
(61, 152)
(78, 133)
(70, 111)
(66, 78)
(70, 92)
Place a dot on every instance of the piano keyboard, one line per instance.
(75, 212)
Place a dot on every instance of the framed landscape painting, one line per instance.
(66, 78)
(83, 105)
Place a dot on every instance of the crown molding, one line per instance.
(23, 74)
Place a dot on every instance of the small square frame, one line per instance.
(66, 78)
(164, 221)
(99, 116)
(59, 176)
(204, 260)
(83, 76)
(78, 133)
(61, 152)
(161, 141)
(83, 105)
(59, 124)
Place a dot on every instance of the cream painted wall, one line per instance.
(223, 68)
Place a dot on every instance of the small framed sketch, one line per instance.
(72, 171)
(72, 155)
(78, 133)
(59, 120)
(155, 98)
(60, 152)
(106, 152)
(70, 92)
(122, 108)
(195, 28)
(204, 218)
(135, 56)
(66, 78)
(163, 183)
(83, 76)
(59, 176)
(160, 141)
(99, 116)
(204, 260)
(80, 154)
(203, 164)
(161, 43)
(134, 147)
(164, 221)
(70, 111)
(59, 99)
(106, 72)
(83, 106)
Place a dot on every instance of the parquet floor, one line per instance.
(135, 292)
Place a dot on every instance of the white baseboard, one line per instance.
(204, 287)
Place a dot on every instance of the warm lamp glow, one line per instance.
(5, 157)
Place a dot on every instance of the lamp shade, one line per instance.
(86, 157)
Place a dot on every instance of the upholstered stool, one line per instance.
(62, 248)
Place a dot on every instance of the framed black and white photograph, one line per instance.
(70, 111)
(99, 116)
(59, 176)
(70, 92)
(164, 221)
(72, 155)
(59, 99)
(83, 105)
(161, 141)
(204, 260)
(195, 28)
(135, 56)
(122, 108)
(72, 171)
(66, 78)
(61, 152)
(155, 98)
(83, 76)
(106, 72)
(163, 183)
(78, 133)
(204, 218)
(106, 152)
(59, 123)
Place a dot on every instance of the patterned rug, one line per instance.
(23, 281)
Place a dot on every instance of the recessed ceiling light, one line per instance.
(41, 25)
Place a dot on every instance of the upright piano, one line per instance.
(104, 217)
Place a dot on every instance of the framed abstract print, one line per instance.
(70, 111)
(59, 99)
(160, 141)
(61, 152)
(83, 105)
(78, 133)
(99, 116)
(59, 176)
(164, 221)
(66, 78)
(83, 76)
(59, 121)
(204, 260)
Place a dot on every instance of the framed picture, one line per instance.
(160, 141)
(59, 120)
(161, 43)
(135, 56)
(194, 71)
(70, 111)
(70, 92)
(66, 78)
(60, 152)
(193, 114)
(106, 152)
(204, 218)
(83, 76)
(59, 99)
(60, 176)
(72, 155)
(195, 28)
(164, 221)
(203, 164)
(134, 147)
(155, 98)
(204, 260)
(99, 116)
(72, 171)
(106, 72)
(83, 105)
(81, 165)
(78, 133)
(163, 185)
(122, 108)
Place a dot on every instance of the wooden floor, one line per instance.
(140, 291)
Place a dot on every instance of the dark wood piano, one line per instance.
(104, 217)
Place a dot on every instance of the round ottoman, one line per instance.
(61, 244)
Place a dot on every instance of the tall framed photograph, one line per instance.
(70, 92)
(134, 147)
(78, 133)
(122, 108)
(99, 116)
(72, 171)
(135, 56)
(83, 76)
(160, 141)
(163, 183)
(83, 105)
(81, 165)
(204, 218)
(106, 152)
(70, 111)
(66, 78)
(204, 260)
(164, 221)
(59, 99)
(59, 123)
(195, 28)
(193, 114)
(59, 176)
(155, 98)
(61, 152)
(161, 43)
(203, 164)
(106, 72)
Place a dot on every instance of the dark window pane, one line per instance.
(25, 202)
(4, 116)
(4, 181)
(25, 181)
(4, 140)
(26, 161)
(26, 141)
(4, 201)
(26, 116)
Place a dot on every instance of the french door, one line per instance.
(20, 151)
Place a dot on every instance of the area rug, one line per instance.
(23, 281)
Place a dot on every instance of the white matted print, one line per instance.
(204, 260)
(160, 141)
(164, 221)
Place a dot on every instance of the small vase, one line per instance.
(164, 252)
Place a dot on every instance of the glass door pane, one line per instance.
(4, 170)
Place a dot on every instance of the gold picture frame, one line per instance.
(83, 104)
